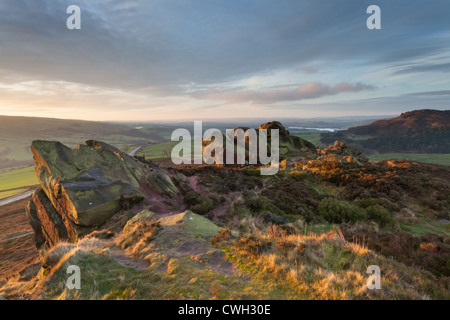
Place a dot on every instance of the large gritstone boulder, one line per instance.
(82, 188)
(289, 146)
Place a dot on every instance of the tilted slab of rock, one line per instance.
(49, 226)
(161, 182)
(89, 183)
(83, 187)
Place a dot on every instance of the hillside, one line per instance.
(147, 231)
(17, 133)
(405, 123)
(420, 131)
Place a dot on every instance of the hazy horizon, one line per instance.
(221, 120)
(178, 60)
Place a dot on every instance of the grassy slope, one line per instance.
(162, 131)
(157, 151)
(17, 133)
(434, 158)
(326, 269)
(160, 150)
(270, 265)
(312, 136)
(16, 182)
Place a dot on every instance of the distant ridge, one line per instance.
(418, 131)
(412, 120)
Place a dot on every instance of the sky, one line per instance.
(212, 59)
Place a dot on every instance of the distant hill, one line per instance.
(405, 123)
(17, 133)
(419, 131)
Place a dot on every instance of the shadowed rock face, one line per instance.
(82, 188)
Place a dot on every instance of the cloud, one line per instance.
(430, 93)
(307, 70)
(442, 67)
(139, 53)
(311, 90)
(136, 44)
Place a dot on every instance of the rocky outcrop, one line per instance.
(82, 188)
(161, 182)
(415, 121)
(333, 158)
(290, 146)
(340, 151)
(418, 131)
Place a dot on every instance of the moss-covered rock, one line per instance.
(289, 145)
(193, 225)
(161, 182)
(82, 188)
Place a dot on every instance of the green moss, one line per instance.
(193, 224)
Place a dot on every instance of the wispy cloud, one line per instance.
(430, 93)
(311, 90)
(443, 67)
(161, 55)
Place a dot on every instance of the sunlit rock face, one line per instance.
(343, 151)
(82, 188)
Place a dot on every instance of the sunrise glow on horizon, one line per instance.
(144, 61)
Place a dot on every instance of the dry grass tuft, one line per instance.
(322, 266)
